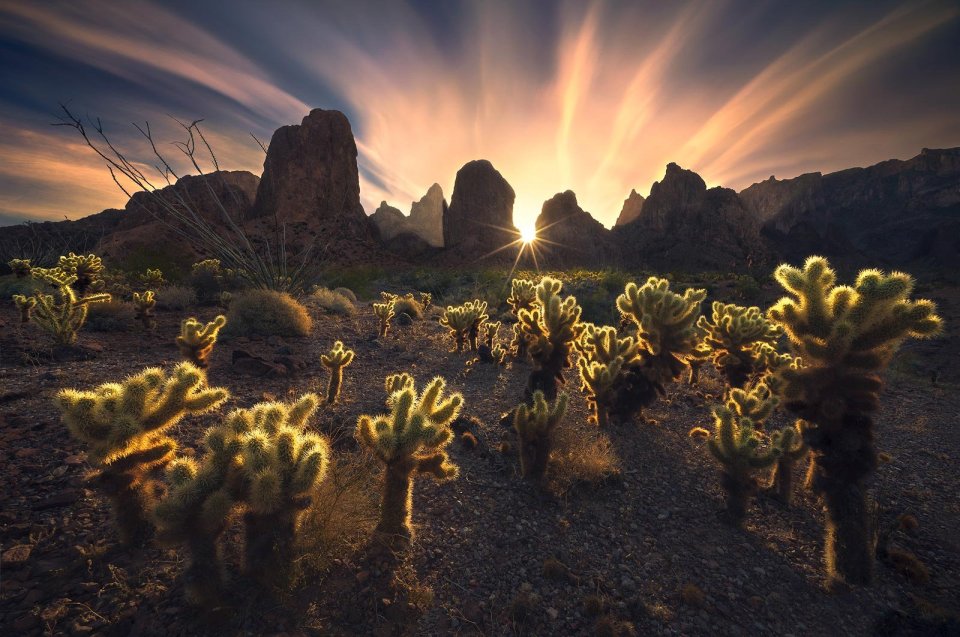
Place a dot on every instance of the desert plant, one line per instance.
(395, 383)
(281, 465)
(25, 305)
(20, 267)
(124, 426)
(426, 300)
(490, 331)
(143, 305)
(347, 293)
(333, 302)
(152, 279)
(176, 297)
(410, 440)
(196, 339)
(63, 313)
(730, 333)
(550, 330)
(464, 322)
(206, 279)
(846, 337)
(534, 425)
(603, 356)
(267, 313)
(384, 313)
(523, 296)
(86, 268)
(110, 316)
(792, 450)
(335, 360)
(405, 304)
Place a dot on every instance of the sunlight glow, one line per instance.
(528, 233)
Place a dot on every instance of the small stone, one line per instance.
(404, 319)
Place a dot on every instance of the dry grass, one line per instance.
(267, 313)
(582, 454)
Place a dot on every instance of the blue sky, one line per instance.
(592, 96)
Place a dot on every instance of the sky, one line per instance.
(596, 97)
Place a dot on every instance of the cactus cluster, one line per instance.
(409, 441)
(490, 351)
(465, 322)
(523, 296)
(86, 270)
(603, 355)
(152, 279)
(534, 425)
(61, 314)
(143, 305)
(845, 337)
(20, 267)
(196, 339)
(124, 426)
(25, 305)
(384, 313)
(335, 360)
(731, 333)
(550, 330)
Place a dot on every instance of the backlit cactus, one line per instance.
(143, 305)
(464, 322)
(534, 425)
(63, 313)
(86, 268)
(490, 351)
(196, 339)
(792, 450)
(384, 313)
(410, 440)
(25, 305)
(550, 330)
(397, 382)
(335, 360)
(20, 267)
(152, 279)
(523, 296)
(730, 333)
(603, 356)
(124, 427)
(846, 337)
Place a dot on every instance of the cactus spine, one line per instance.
(846, 337)
(335, 360)
(196, 340)
(143, 306)
(534, 425)
(25, 304)
(730, 333)
(20, 267)
(384, 312)
(124, 425)
(550, 330)
(63, 313)
(411, 440)
(464, 322)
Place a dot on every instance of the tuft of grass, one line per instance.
(334, 302)
(112, 316)
(582, 455)
(267, 313)
(176, 297)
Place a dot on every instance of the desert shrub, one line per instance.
(333, 302)
(408, 305)
(26, 286)
(206, 279)
(360, 279)
(267, 313)
(63, 313)
(348, 293)
(176, 297)
(112, 316)
(746, 288)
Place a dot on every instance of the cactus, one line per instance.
(124, 426)
(143, 305)
(152, 279)
(490, 331)
(397, 382)
(793, 450)
(534, 425)
(335, 360)
(738, 445)
(63, 313)
(490, 351)
(523, 296)
(730, 333)
(384, 312)
(85, 268)
(409, 441)
(550, 330)
(464, 322)
(603, 356)
(281, 465)
(196, 340)
(25, 304)
(426, 300)
(846, 337)
(20, 267)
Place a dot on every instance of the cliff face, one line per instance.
(632, 207)
(426, 216)
(891, 214)
(568, 236)
(389, 221)
(479, 221)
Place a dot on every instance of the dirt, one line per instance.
(642, 550)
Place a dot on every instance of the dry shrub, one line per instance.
(176, 297)
(267, 313)
(112, 316)
(334, 302)
(348, 293)
(581, 455)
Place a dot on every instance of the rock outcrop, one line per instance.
(684, 225)
(478, 224)
(891, 214)
(426, 216)
(568, 236)
(389, 221)
(632, 207)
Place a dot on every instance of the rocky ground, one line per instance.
(625, 537)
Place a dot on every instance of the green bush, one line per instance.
(176, 297)
(333, 302)
(267, 313)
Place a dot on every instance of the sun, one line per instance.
(528, 233)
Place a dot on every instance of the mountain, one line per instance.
(389, 221)
(426, 216)
(568, 236)
(478, 224)
(632, 207)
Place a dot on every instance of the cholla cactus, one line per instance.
(409, 441)
(385, 313)
(740, 446)
(335, 360)
(124, 426)
(153, 279)
(730, 333)
(20, 267)
(793, 450)
(489, 351)
(534, 425)
(523, 296)
(63, 313)
(490, 331)
(397, 382)
(25, 304)
(602, 357)
(143, 306)
(86, 268)
(281, 465)
(464, 322)
(426, 300)
(196, 340)
(550, 330)
(846, 337)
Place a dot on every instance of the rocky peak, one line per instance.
(479, 219)
(389, 221)
(426, 216)
(632, 207)
(571, 236)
